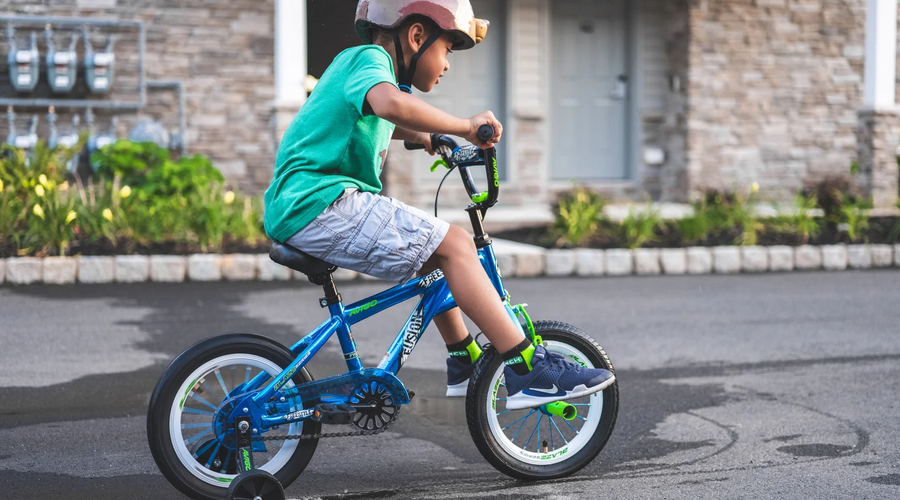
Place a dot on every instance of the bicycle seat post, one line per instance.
(332, 296)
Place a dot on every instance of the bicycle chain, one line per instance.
(322, 435)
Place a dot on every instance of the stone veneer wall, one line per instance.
(223, 51)
(773, 91)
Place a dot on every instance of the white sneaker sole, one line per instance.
(520, 400)
(458, 390)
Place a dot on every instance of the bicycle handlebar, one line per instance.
(448, 148)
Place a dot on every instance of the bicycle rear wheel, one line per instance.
(534, 443)
(182, 429)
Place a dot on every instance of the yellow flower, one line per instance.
(37, 210)
(43, 180)
(71, 216)
(229, 197)
(107, 214)
(1, 185)
(754, 187)
(125, 192)
(39, 190)
(64, 186)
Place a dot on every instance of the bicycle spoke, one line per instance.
(205, 447)
(550, 418)
(212, 457)
(198, 436)
(225, 462)
(247, 376)
(570, 425)
(557, 430)
(200, 399)
(521, 425)
(222, 382)
(504, 411)
(514, 423)
(538, 426)
(196, 411)
(195, 426)
(579, 416)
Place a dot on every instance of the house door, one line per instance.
(589, 90)
(476, 80)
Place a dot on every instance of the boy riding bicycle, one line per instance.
(324, 197)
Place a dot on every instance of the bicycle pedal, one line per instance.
(333, 414)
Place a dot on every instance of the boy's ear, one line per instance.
(416, 35)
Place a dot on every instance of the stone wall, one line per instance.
(773, 90)
(224, 54)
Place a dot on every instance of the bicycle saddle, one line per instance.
(297, 260)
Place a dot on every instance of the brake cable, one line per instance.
(438, 193)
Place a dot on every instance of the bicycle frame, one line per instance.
(436, 299)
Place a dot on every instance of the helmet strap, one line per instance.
(406, 75)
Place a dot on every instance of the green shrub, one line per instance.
(578, 216)
(640, 227)
(800, 222)
(854, 216)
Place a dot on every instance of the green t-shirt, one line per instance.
(332, 144)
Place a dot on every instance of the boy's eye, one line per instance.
(449, 51)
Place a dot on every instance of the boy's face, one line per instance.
(432, 64)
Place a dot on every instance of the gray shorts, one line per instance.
(372, 234)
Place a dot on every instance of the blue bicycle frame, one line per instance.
(436, 299)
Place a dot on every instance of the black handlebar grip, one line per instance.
(412, 146)
(485, 132)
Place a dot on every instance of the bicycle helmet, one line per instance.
(454, 16)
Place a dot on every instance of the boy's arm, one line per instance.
(423, 138)
(414, 114)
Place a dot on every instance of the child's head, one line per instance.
(412, 23)
(413, 33)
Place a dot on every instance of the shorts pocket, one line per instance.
(370, 228)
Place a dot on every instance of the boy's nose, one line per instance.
(447, 66)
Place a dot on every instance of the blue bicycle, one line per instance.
(240, 416)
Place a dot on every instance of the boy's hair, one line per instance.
(385, 38)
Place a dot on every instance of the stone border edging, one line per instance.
(514, 260)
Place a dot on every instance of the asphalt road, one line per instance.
(768, 386)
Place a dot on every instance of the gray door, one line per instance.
(589, 90)
(476, 80)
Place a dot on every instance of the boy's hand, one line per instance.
(425, 140)
(481, 119)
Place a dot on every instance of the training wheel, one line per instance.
(256, 484)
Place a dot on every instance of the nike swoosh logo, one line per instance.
(552, 391)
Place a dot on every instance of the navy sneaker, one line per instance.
(458, 375)
(552, 378)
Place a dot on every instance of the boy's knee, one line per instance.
(457, 242)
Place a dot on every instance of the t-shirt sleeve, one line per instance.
(367, 69)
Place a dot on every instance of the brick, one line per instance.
(23, 270)
(882, 255)
(781, 258)
(726, 260)
(239, 267)
(646, 261)
(859, 257)
(132, 268)
(590, 262)
(59, 270)
(204, 267)
(96, 269)
(834, 257)
(619, 262)
(808, 257)
(270, 270)
(168, 268)
(561, 262)
(699, 260)
(673, 260)
(754, 259)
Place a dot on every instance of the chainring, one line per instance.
(374, 405)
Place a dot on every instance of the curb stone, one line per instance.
(834, 257)
(859, 257)
(23, 270)
(781, 258)
(513, 261)
(590, 262)
(699, 260)
(95, 269)
(673, 260)
(59, 270)
(132, 268)
(646, 261)
(726, 260)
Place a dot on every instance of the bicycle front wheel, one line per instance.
(541, 443)
(183, 427)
